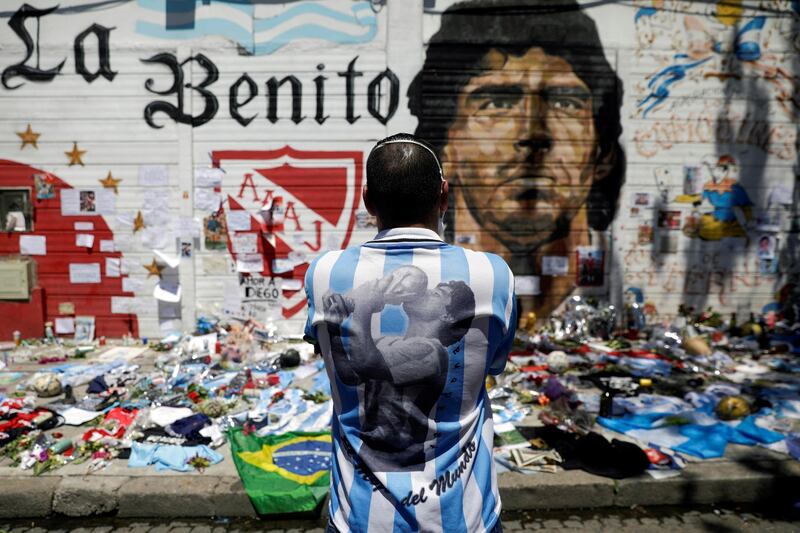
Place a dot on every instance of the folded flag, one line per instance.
(285, 473)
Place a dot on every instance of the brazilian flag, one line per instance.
(286, 473)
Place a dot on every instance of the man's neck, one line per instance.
(422, 225)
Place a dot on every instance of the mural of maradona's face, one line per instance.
(523, 146)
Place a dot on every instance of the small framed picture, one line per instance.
(766, 246)
(186, 249)
(45, 186)
(84, 328)
(669, 219)
(590, 267)
(692, 180)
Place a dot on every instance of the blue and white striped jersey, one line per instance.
(409, 327)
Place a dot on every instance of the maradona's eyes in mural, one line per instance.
(524, 111)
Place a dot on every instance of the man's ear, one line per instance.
(444, 197)
(367, 202)
(604, 164)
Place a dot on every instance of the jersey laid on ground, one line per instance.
(409, 327)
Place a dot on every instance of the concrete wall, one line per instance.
(648, 145)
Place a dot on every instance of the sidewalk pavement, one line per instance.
(746, 475)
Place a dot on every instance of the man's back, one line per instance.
(409, 326)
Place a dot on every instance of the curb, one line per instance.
(203, 496)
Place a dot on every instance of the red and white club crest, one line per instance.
(284, 207)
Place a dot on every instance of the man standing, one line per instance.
(521, 105)
(409, 327)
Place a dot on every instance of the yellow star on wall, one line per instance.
(154, 269)
(110, 182)
(75, 155)
(28, 137)
(138, 222)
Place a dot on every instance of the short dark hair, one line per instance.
(403, 180)
(469, 30)
(462, 309)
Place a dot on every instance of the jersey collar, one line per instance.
(406, 234)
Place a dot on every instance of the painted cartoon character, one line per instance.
(731, 203)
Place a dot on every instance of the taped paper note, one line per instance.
(526, 285)
(238, 220)
(84, 273)
(84, 240)
(249, 263)
(555, 265)
(153, 176)
(245, 243)
(208, 177)
(132, 284)
(206, 200)
(65, 324)
(112, 267)
(121, 305)
(32, 245)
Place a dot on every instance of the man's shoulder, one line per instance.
(496, 261)
(329, 257)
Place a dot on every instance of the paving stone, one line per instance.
(160, 529)
(182, 529)
(201, 529)
(551, 524)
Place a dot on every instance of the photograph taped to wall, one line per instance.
(87, 202)
(215, 231)
(641, 199)
(84, 329)
(767, 244)
(45, 186)
(590, 264)
(768, 267)
(670, 220)
(692, 180)
(186, 249)
(645, 234)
